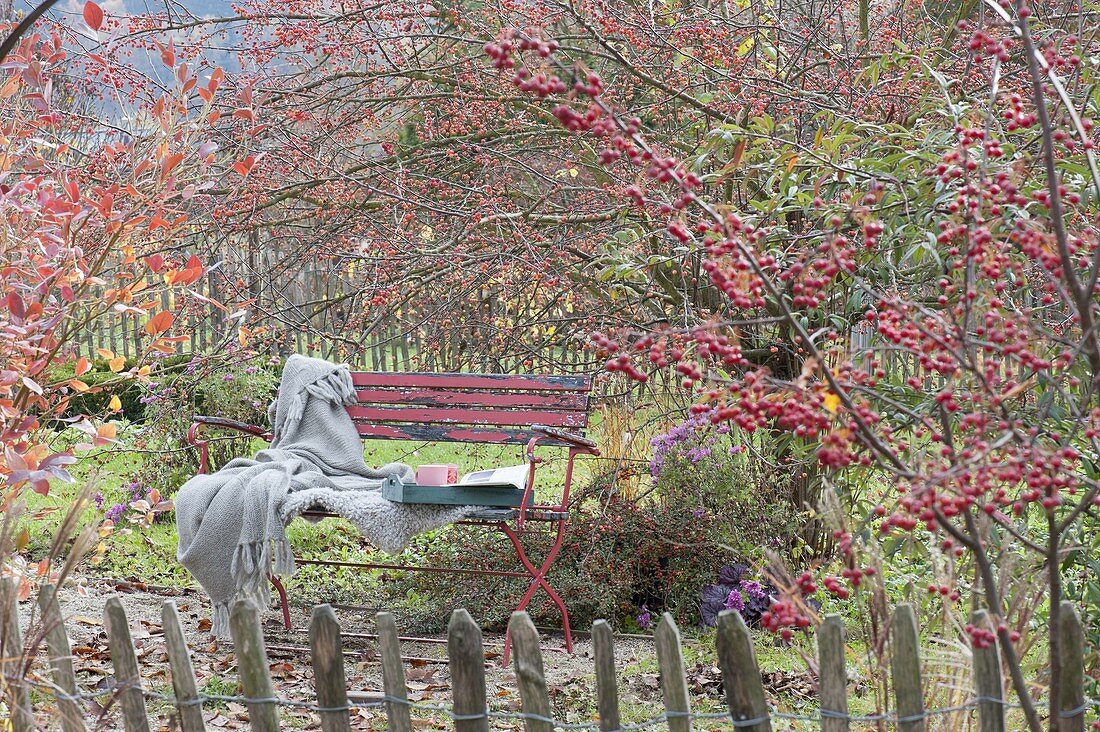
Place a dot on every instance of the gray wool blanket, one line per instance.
(232, 523)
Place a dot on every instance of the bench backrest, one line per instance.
(495, 408)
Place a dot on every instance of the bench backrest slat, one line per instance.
(558, 401)
(491, 408)
(498, 382)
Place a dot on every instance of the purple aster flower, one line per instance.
(644, 618)
(228, 377)
(114, 513)
(734, 601)
(98, 498)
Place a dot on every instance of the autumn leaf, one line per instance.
(83, 366)
(117, 363)
(159, 323)
(831, 402)
(93, 15)
(115, 403)
(244, 167)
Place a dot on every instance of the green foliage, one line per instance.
(239, 390)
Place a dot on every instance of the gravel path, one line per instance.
(569, 677)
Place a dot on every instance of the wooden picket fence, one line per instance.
(469, 712)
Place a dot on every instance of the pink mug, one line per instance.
(433, 475)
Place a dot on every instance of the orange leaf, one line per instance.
(160, 322)
(83, 366)
(117, 363)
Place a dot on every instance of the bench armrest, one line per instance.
(230, 424)
(570, 437)
(199, 422)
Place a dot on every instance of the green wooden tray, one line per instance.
(486, 494)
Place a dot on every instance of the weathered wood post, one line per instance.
(127, 675)
(670, 661)
(740, 672)
(328, 670)
(905, 669)
(1072, 702)
(393, 673)
(988, 684)
(467, 662)
(61, 660)
(832, 675)
(607, 682)
(530, 674)
(252, 666)
(11, 657)
(183, 674)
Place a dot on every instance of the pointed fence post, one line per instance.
(607, 681)
(188, 704)
(988, 684)
(61, 660)
(1072, 702)
(905, 669)
(467, 663)
(674, 688)
(393, 674)
(131, 701)
(11, 657)
(740, 673)
(832, 675)
(328, 670)
(252, 666)
(530, 674)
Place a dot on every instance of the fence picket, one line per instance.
(393, 673)
(987, 679)
(131, 701)
(183, 675)
(670, 660)
(11, 657)
(61, 660)
(1071, 717)
(736, 657)
(467, 663)
(607, 682)
(328, 670)
(530, 675)
(905, 669)
(832, 675)
(740, 673)
(248, 643)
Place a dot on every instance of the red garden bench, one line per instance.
(471, 408)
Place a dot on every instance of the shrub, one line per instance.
(239, 390)
(708, 507)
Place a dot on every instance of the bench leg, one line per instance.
(277, 583)
(538, 580)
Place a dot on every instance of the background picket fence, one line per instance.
(469, 712)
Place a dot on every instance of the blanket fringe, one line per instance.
(337, 387)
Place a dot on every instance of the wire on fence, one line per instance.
(774, 714)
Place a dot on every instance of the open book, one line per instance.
(515, 475)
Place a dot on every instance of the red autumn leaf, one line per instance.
(244, 167)
(17, 307)
(93, 15)
(155, 262)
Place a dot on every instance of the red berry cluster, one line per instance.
(981, 637)
(782, 618)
